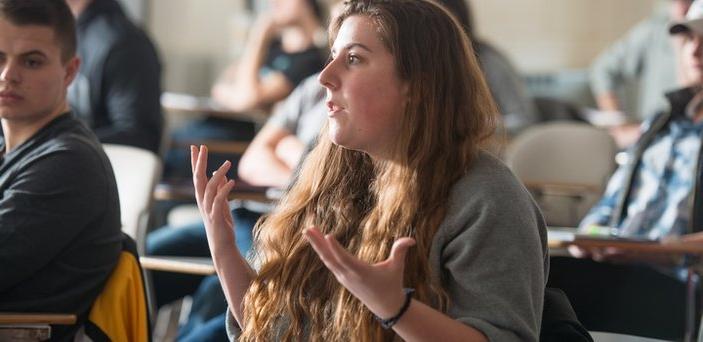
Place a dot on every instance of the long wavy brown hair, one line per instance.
(367, 204)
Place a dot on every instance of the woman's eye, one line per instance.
(352, 59)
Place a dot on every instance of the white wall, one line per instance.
(197, 37)
(546, 35)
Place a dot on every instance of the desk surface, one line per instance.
(182, 190)
(16, 318)
(188, 265)
(205, 105)
(559, 238)
(562, 188)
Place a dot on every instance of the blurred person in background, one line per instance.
(654, 196)
(283, 48)
(270, 160)
(645, 57)
(118, 87)
(504, 81)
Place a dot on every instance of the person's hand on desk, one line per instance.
(615, 253)
(620, 256)
(694, 238)
(597, 254)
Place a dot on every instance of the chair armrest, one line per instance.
(198, 105)
(182, 190)
(24, 326)
(187, 265)
(216, 146)
(561, 189)
(18, 318)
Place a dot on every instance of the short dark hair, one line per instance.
(52, 13)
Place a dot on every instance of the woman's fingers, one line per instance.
(207, 191)
(226, 213)
(199, 164)
(399, 251)
(578, 252)
(193, 158)
(341, 255)
(322, 248)
(344, 264)
(201, 161)
(217, 180)
(220, 207)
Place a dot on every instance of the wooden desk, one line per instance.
(36, 318)
(215, 146)
(635, 247)
(182, 190)
(189, 265)
(561, 189)
(187, 103)
(561, 239)
(31, 326)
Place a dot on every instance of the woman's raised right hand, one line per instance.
(211, 196)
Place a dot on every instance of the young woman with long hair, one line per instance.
(399, 165)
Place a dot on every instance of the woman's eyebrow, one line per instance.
(353, 45)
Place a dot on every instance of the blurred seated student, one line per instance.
(504, 81)
(277, 149)
(399, 163)
(281, 51)
(646, 57)
(268, 161)
(655, 195)
(118, 87)
(59, 209)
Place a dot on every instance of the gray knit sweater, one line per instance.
(490, 254)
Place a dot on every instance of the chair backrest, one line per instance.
(120, 313)
(137, 172)
(559, 321)
(570, 159)
(552, 109)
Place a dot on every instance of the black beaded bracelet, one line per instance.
(390, 322)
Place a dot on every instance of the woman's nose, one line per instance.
(328, 77)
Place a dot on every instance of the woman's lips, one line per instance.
(8, 97)
(333, 108)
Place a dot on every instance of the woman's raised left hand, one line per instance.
(379, 286)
